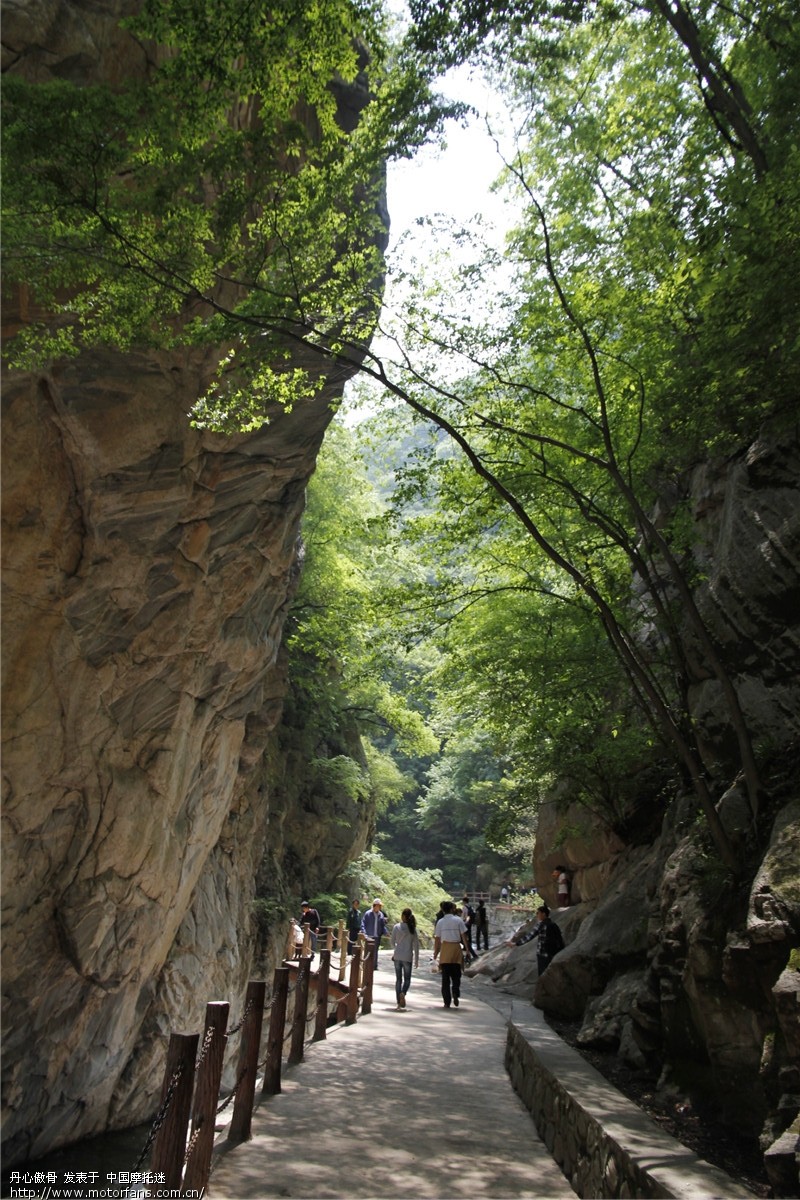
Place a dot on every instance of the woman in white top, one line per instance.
(405, 946)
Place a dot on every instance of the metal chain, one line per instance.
(207, 1040)
(247, 1010)
(190, 1145)
(234, 1090)
(160, 1116)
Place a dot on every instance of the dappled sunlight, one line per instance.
(415, 1102)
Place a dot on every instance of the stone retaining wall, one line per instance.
(604, 1144)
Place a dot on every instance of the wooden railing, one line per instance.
(181, 1140)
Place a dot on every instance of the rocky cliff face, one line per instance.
(667, 963)
(148, 568)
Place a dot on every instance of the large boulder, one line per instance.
(612, 938)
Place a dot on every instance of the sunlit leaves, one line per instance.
(233, 195)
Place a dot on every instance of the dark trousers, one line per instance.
(482, 931)
(451, 981)
(542, 962)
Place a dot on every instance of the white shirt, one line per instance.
(450, 928)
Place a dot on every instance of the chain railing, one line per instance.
(181, 1138)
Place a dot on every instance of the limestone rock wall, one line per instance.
(666, 962)
(147, 573)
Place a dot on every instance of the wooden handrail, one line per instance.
(191, 1085)
(206, 1093)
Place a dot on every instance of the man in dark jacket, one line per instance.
(353, 926)
(481, 926)
(550, 939)
(375, 926)
(468, 917)
(310, 917)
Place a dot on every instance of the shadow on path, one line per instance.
(402, 1104)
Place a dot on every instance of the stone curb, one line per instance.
(605, 1145)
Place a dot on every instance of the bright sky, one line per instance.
(453, 179)
(456, 179)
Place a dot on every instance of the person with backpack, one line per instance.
(449, 947)
(468, 917)
(550, 938)
(481, 926)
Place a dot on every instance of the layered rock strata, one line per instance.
(668, 963)
(148, 569)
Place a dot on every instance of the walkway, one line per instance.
(414, 1104)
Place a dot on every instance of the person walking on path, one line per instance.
(449, 946)
(405, 943)
(353, 926)
(375, 1110)
(310, 917)
(375, 926)
(468, 917)
(481, 926)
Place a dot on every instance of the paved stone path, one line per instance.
(405, 1105)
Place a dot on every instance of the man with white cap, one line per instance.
(375, 926)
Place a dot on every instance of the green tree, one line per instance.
(573, 403)
(653, 316)
(342, 646)
(227, 198)
(398, 887)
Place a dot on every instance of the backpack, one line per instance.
(555, 940)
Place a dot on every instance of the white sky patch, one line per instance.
(452, 180)
(455, 179)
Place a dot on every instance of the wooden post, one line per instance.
(362, 941)
(277, 1021)
(323, 977)
(329, 938)
(300, 1012)
(343, 939)
(352, 999)
(241, 1120)
(169, 1144)
(369, 967)
(206, 1096)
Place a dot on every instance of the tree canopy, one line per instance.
(643, 316)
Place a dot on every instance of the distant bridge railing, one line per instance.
(180, 1144)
